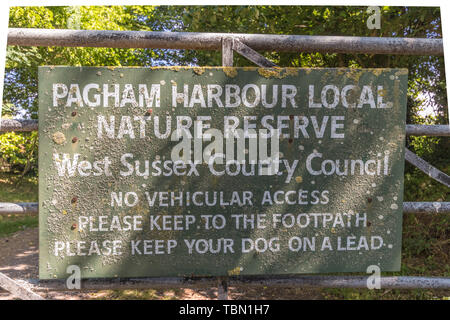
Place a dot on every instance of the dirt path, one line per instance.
(19, 258)
(19, 254)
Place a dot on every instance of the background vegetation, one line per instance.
(426, 244)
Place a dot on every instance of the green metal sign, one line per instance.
(220, 171)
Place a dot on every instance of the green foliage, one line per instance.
(14, 188)
(19, 151)
(22, 62)
(420, 187)
(17, 189)
(21, 83)
(385, 294)
(426, 73)
(426, 85)
(16, 223)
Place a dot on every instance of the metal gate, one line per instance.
(245, 45)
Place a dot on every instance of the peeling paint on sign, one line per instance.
(113, 201)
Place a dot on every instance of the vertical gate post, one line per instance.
(227, 61)
(222, 289)
(227, 52)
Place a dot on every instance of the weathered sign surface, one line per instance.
(220, 171)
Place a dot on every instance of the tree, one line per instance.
(20, 90)
(21, 83)
(427, 86)
(426, 73)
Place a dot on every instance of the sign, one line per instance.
(220, 171)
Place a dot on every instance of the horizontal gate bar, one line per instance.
(438, 130)
(213, 41)
(408, 207)
(426, 207)
(401, 282)
(8, 125)
(17, 208)
(443, 130)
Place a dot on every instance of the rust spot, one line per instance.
(234, 272)
(74, 113)
(291, 72)
(74, 139)
(291, 117)
(199, 70)
(274, 72)
(230, 71)
(291, 140)
(74, 199)
(74, 226)
(59, 137)
(369, 223)
(369, 200)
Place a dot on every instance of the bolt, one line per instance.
(74, 139)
